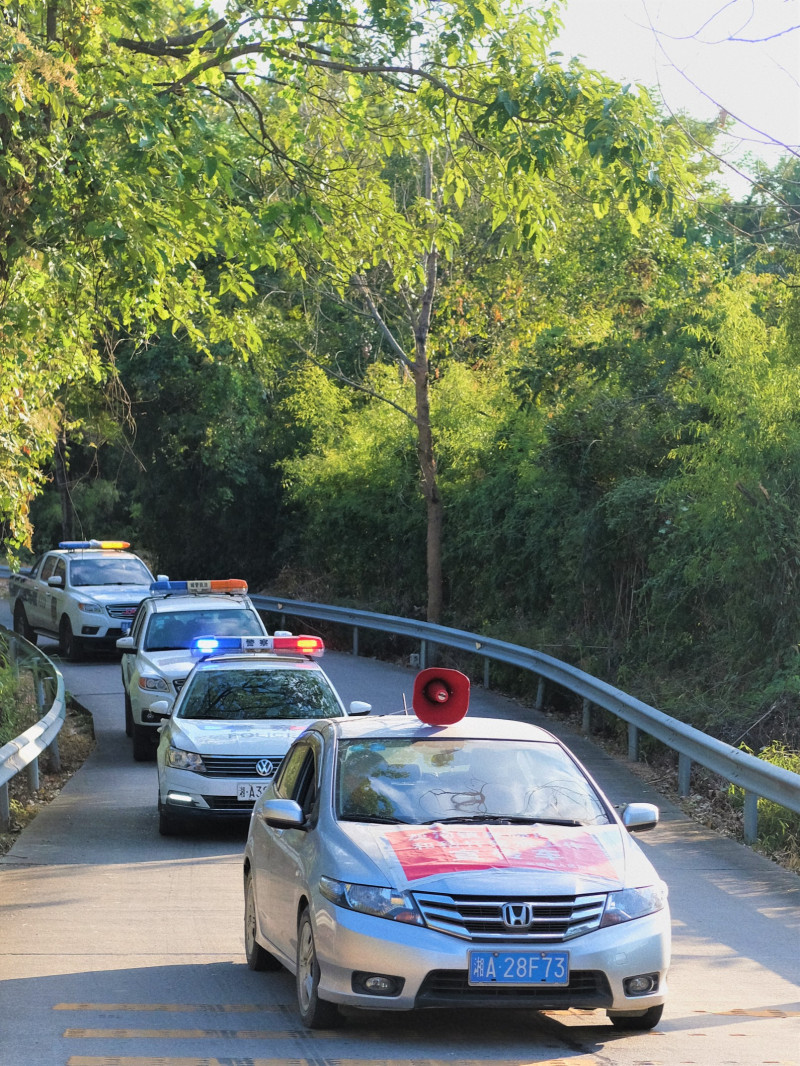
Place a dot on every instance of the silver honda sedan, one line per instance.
(397, 865)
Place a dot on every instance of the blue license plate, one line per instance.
(518, 968)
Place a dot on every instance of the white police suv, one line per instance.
(79, 594)
(155, 653)
(244, 703)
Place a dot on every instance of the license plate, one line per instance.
(249, 790)
(518, 968)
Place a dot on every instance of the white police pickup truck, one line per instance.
(156, 659)
(79, 594)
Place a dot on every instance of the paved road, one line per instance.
(122, 948)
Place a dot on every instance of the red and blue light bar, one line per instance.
(72, 545)
(232, 584)
(285, 644)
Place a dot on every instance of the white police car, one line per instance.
(79, 594)
(243, 704)
(156, 659)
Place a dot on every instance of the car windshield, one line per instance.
(419, 781)
(258, 695)
(109, 572)
(170, 630)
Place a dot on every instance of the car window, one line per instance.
(49, 566)
(61, 571)
(258, 695)
(291, 773)
(89, 571)
(177, 629)
(426, 780)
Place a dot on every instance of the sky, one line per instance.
(683, 50)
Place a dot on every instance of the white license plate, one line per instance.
(250, 790)
(518, 968)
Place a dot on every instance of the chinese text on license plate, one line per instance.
(518, 968)
(248, 790)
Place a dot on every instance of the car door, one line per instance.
(281, 856)
(39, 610)
(56, 596)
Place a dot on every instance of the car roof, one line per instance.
(401, 725)
(96, 553)
(190, 601)
(261, 661)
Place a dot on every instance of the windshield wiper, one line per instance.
(373, 818)
(502, 819)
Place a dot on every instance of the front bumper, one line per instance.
(192, 795)
(433, 967)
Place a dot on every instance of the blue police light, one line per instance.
(113, 544)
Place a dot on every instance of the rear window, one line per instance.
(257, 696)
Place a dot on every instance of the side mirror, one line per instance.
(126, 644)
(161, 577)
(160, 707)
(55, 581)
(358, 707)
(639, 817)
(282, 814)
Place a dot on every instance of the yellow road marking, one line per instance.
(741, 1012)
(192, 1034)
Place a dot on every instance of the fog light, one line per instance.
(89, 631)
(377, 984)
(641, 985)
(180, 797)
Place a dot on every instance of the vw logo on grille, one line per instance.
(517, 915)
(264, 768)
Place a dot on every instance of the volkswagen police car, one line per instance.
(245, 701)
(156, 659)
(79, 594)
(404, 862)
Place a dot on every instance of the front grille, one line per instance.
(122, 610)
(229, 803)
(554, 918)
(451, 988)
(238, 765)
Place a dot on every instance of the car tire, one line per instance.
(168, 824)
(21, 624)
(143, 747)
(69, 646)
(315, 1013)
(128, 716)
(646, 1020)
(258, 958)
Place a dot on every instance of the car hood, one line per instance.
(236, 738)
(112, 593)
(469, 859)
(175, 663)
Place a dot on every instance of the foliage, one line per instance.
(778, 828)
(9, 719)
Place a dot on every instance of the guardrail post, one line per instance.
(750, 817)
(633, 742)
(586, 723)
(486, 673)
(423, 654)
(684, 774)
(5, 809)
(540, 689)
(355, 640)
(54, 756)
(32, 770)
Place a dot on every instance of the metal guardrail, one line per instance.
(48, 687)
(755, 776)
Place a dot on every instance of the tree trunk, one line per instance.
(62, 484)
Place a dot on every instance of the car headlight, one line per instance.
(185, 760)
(89, 608)
(153, 684)
(370, 899)
(633, 903)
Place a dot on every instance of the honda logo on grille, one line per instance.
(517, 915)
(264, 768)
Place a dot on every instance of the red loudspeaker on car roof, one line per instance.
(441, 697)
